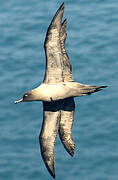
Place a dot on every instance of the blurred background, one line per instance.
(92, 45)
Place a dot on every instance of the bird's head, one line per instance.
(26, 97)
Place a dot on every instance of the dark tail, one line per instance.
(88, 90)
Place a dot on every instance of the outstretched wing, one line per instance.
(53, 52)
(67, 110)
(65, 125)
(67, 67)
(47, 138)
(53, 74)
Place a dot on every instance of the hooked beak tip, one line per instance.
(18, 101)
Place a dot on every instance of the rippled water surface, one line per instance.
(92, 45)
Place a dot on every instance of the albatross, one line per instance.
(57, 92)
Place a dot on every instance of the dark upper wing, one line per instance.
(53, 52)
(47, 138)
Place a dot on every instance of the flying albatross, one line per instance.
(57, 93)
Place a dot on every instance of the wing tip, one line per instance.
(55, 23)
(68, 145)
(70, 149)
(61, 9)
(47, 155)
(64, 22)
(51, 169)
(62, 5)
(64, 26)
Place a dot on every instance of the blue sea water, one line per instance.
(92, 45)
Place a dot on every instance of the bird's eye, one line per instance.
(26, 95)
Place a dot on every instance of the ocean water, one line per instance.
(92, 45)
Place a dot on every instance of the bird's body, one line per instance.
(57, 93)
(52, 92)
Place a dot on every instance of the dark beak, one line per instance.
(18, 101)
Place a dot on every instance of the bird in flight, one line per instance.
(57, 93)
